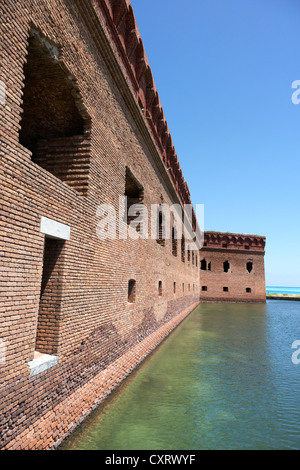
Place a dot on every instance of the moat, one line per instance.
(224, 379)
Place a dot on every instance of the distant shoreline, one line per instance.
(283, 296)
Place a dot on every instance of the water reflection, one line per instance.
(223, 380)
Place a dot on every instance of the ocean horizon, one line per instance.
(282, 290)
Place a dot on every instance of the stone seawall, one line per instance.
(283, 297)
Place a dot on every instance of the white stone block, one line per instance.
(54, 229)
(42, 363)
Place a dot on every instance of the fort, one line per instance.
(81, 125)
(232, 268)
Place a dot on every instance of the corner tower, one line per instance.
(232, 268)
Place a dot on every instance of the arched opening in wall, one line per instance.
(134, 192)
(183, 249)
(183, 287)
(209, 266)
(174, 242)
(203, 265)
(193, 258)
(174, 287)
(55, 125)
(226, 266)
(161, 240)
(160, 291)
(189, 254)
(131, 291)
(250, 266)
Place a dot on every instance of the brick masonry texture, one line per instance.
(81, 109)
(242, 279)
(64, 417)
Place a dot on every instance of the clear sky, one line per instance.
(224, 71)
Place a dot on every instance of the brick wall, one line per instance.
(242, 278)
(67, 158)
(79, 309)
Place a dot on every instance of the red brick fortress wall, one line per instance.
(69, 299)
(232, 268)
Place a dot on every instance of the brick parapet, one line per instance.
(224, 241)
(125, 36)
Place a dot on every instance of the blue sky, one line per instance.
(224, 71)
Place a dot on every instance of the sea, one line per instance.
(283, 290)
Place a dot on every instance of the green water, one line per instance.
(223, 380)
